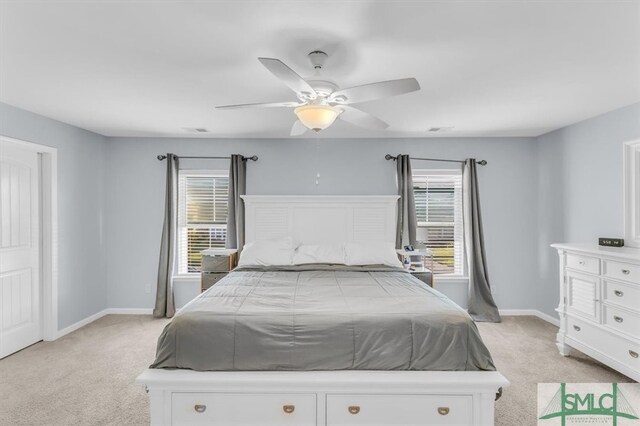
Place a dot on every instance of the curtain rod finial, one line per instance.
(482, 162)
(161, 157)
(389, 157)
(253, 158)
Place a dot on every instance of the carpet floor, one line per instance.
(87, 377)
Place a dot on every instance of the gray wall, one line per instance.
(81, 276)
(135, 194)
(580, 194)
(534, 192)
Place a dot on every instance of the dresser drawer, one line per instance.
(405, 410)
(618, 293)
(622, 321)
(622, 271)
(210, 278)
(215, 263)
(583, 263)
(600, 340)
(243, 409)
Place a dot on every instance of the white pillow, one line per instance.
(268, 252)
(322, 253)
(371, 254)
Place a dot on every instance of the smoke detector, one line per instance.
(195, 130)
(440, 129)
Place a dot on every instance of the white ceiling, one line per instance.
(148, 68)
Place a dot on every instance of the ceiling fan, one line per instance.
(321, 101)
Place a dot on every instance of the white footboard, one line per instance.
(273, 398)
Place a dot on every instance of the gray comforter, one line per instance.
(321, 317)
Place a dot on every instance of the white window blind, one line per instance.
(438, 197)
(202, 217)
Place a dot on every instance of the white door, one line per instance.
(20, 323)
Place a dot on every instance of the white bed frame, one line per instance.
(332, 398)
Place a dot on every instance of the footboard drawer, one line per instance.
(243, 409)
(405, 410)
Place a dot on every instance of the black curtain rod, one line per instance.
(252, 158)
(391, 157)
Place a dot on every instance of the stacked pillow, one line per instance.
(321, 253)
(371, 254)
(268, 252)
(286, 251)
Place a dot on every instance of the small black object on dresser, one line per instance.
(611, 242)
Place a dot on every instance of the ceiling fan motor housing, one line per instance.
(323, 87)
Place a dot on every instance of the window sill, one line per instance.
(439, 279)
(186, 278)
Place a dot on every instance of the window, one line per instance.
(202, 216)
(438, 196)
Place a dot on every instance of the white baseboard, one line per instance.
(81, 323)
(531, 312)
(519, 312)
(128, 311)
(98, 315)
(548, 318)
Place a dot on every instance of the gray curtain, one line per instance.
(164, 295)
(481, 304)
(406, 225)
(237, 187)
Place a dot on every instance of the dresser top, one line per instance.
(219, 252)
(630, 253)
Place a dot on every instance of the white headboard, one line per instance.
(321, 219)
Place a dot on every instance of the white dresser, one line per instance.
(600, 304)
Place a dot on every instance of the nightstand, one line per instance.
(216, 264)
(417, 268)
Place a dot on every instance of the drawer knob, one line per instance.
(618, 293)
(617, 318)
(288, 408)
(354, 409)
(576, 328)
(200, 408)
(633, 354)
(581, 262)
(625, 271)
(443, 411)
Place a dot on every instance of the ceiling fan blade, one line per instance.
(298, 128)
(289, 77)
(370, 92)
(361, 119)
(263, 105)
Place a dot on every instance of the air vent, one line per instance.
(440, 129)
(196, 130)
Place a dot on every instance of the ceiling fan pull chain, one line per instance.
(317, 159)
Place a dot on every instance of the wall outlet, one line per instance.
(147, 288)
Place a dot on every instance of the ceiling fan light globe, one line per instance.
(317, 117)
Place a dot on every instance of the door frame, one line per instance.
(48, 188)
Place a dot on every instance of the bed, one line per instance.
(322, 344)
